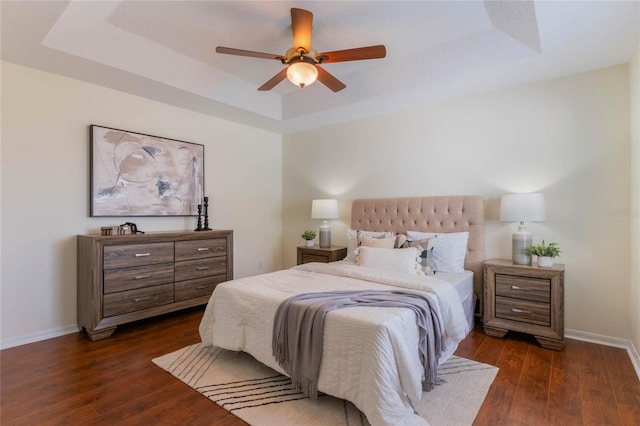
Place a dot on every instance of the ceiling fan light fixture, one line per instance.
(302, 72)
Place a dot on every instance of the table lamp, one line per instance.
(324, 209)
(522, 208)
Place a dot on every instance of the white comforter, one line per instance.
(370, 355)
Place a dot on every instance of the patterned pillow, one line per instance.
(425, 246)
(449, 249)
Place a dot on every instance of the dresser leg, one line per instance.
(100, 334)
(550, 343)
(494, 332)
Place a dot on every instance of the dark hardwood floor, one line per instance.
(71, 381)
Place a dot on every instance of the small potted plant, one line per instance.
(545, 253)
(309, 235)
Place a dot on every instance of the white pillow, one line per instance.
(352, 241)
(449, 249)
(399, 260)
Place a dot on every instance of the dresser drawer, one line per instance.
(526, 288)
(199, 249)
(200, 287)
(199, 268)
(137, 300)
(124, 256)
(140, 276)
(522, 310)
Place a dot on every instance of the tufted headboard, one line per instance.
(430, 214)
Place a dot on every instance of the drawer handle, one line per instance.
(203, 249)
(142, 277)
(519, 311)
(201, 268)
(141, 299)
(142, 254)
(202, 287)
(515, 287)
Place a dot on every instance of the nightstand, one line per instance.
(523, 298)
(317, 254)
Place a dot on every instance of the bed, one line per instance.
(370, 355)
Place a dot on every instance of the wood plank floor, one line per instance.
(72, 381)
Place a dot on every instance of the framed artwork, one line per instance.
(133, 174)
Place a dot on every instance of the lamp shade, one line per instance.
(324, 209)
(523, 208)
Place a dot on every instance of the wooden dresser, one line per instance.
(526, 299)
(125, 278)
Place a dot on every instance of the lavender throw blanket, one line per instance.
(299, 324)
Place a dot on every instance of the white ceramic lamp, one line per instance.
(324, 209)
(522, 208)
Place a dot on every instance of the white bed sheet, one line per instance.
(463, 283)
(370, 355)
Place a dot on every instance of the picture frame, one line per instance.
(136, 174)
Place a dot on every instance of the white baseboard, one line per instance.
(36, 337)
(616, 342)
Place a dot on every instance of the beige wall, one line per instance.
(568, 138)
(634, 74)
(45, 175)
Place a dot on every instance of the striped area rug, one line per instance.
(262, 397)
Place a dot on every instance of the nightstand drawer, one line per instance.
(521, 287)
(521, 310)
(308, 258)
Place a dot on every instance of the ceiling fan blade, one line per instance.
(329, 80)
(240, 52)
(274, 81)
(357, 54)
(301, 24)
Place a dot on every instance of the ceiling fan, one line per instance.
(303, 62)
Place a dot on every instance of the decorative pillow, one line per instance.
(449, 249)
(353, 243)
(401, 239)
(399, 260)
(382, 242)
(426, 252)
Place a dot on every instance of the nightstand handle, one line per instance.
(515, 287)
(519, 311)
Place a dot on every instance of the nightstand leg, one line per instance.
(494, 332)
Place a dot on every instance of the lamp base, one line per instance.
(325, 235)
(520, 242)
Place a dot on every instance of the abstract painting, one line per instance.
(133, 174)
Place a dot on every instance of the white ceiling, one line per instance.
(165, 50)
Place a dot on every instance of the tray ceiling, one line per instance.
(436, 50)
